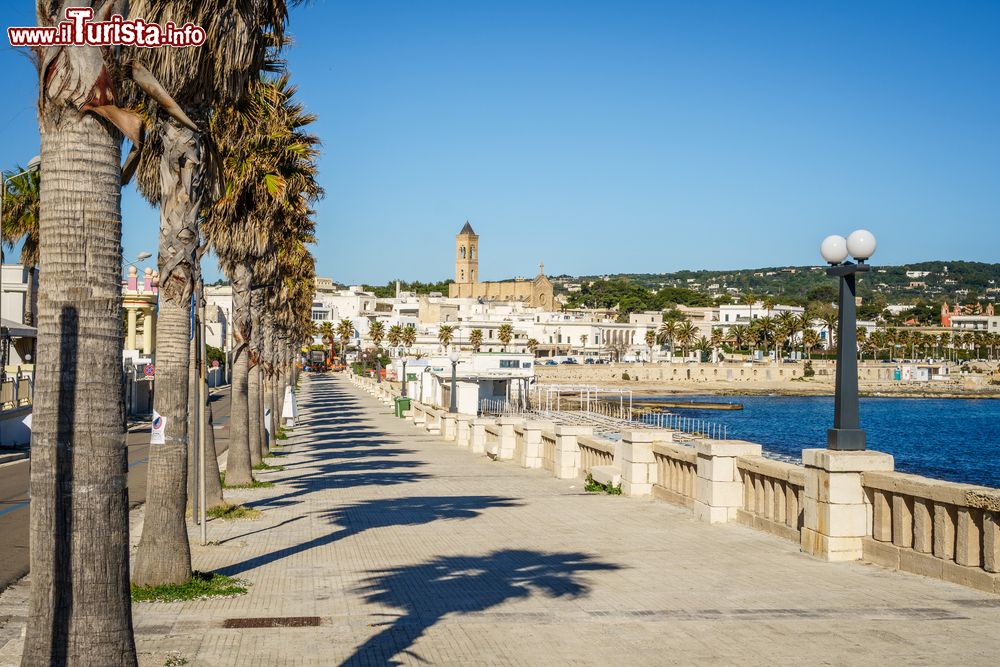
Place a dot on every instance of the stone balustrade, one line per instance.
(837, 506)
(773, 496)
(548, 438)
(676, 471)
(595, 452)
(492, 443)
(937, 529)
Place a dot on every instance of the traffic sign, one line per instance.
(149, 370)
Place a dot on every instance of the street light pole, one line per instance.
(403, 390)
(453, 407)
(847, 433)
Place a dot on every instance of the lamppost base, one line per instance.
(845, 439)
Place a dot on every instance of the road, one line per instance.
(14, 490)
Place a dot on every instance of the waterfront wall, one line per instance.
(838, 506)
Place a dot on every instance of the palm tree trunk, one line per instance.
(28, 313)
(210, 473)
(164, 554)
(213, 485)
(254, 417)
(80, 605)
(238, 466)
(254, 380)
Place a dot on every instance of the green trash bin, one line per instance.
(402, 405)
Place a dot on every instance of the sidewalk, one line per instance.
(387, 545)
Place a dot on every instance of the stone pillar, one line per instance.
(148, 328)
(718, 489)
(508, 438)
(836, 511)
(463, 430)
(637, 463)
(131, 327)
(449, 426)
(533, 448)
(567, 463)
(477, 443)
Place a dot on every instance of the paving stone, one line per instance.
(412, 551)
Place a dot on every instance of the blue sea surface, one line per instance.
(951, 439)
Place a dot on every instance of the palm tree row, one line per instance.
(226, 158)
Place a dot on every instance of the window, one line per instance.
(510, 363)
(472, 252)
(463, 274)
(461, 252)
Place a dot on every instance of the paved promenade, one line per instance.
(405, 549)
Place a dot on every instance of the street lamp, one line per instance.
(403, 390)
(453, 407)
(846, 433)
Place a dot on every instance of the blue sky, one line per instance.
(629, 136)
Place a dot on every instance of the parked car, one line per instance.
(570, 361)
(589, 360)
(551, 362)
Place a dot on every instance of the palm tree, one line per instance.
(376, 332)
(749, 299)
(476, 339)
(505, 334)
(768, 303)
(446, 333)
(172, 172)
(739, 334)
(395, 336)
(650, 339)
(329, 337)
(716, 340)
(20, 222)
(862, 337)
(685, 335)
(345, 331)
(409, 336)
(802, 324)
(810, 339)
(532, 345)
(829, 318)
(788, 323)
(703, 346)
(667, 333)
(764, 327)
(269, 164)
(79, 609)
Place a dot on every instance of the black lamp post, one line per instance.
(403, 390)
(847, 433)
(453, 406)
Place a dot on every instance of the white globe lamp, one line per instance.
(834, 249)
(861, 244)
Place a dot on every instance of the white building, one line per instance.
(484, 381)
(990, 323)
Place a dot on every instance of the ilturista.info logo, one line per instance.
(79, 30)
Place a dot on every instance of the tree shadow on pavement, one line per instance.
(381, 513)
(427, 592)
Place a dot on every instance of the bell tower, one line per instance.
(466, 255)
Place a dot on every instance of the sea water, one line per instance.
(951, 439)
